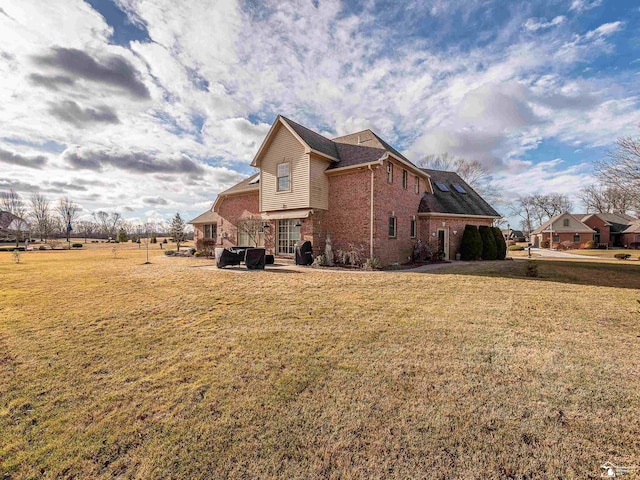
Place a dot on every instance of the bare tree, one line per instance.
(536, 209)
(252, 228)
(87, 228)
(68, 212)
(108, 224)
(471, 171)
(12, 202)
(40, 211)
(608, 199)
(621, 168)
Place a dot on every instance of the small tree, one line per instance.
(122, 236)
(500, 244)
(471, 246)
(176, 229)
(489, 248)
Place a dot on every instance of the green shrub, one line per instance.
(489, 248)
(516, 248)
(501, 244)
(164, 241)
(169, 252)
(153, 238)
(122, 236)
(198, 254)
(622, 256)
(77, 245)
(471, 246)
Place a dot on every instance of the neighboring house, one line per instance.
(609, 227)
(562, 228)
(356, 190)
(631, 235)
(12, 226)
(515, 235)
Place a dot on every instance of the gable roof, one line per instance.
(314, 140)
(634, 227)
(453, 201)
(247, 185)
(206, 217)
(581, 228)
(617, 221)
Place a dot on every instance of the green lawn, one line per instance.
(114, 369)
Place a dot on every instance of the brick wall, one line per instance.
(429, 225)
(232, 209)
(605, 231)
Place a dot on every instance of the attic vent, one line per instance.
(459, 188)
(442, 187)
(255, 180)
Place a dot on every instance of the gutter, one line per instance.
(371, 214)
(352, 167)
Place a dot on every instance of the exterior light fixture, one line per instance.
(455, 232)
(298, 223)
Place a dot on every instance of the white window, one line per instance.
(288, 236)
(405, 179)
(389, 172)
(416, 186)
(284, 179)
(210, 231)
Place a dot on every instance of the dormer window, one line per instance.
(389, 172)
(284, 179)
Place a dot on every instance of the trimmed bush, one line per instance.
(169, 252)
(471, 245)
(372, 263)
(516, 248)
(76, 245)
(489, 247)
(622, 256)
(544, 244)
(501, 245)
(531, 269)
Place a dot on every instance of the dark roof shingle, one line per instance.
(314, 140)
(454, 202)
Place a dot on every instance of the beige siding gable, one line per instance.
(284, 147)
(319, 183)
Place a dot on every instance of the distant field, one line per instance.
(114, 369)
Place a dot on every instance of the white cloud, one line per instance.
(535, 24)
(584, 5)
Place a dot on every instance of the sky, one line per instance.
(152, 107)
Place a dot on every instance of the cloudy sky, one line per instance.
(150, 107)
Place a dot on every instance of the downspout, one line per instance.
(371, 216)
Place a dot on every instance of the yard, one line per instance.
(114, 369)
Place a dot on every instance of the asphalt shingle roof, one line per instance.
(470, 203)
(314, 140)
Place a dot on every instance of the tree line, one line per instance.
(45, 220)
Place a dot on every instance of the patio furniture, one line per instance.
(304, 253)
(254, 258)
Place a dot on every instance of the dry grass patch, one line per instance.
(110, 368)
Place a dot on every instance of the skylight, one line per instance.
(459, 188)
(442, 187)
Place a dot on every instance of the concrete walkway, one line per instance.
(546, 253)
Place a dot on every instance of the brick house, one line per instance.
(357, 190)
(609, 227)
(561, 229)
